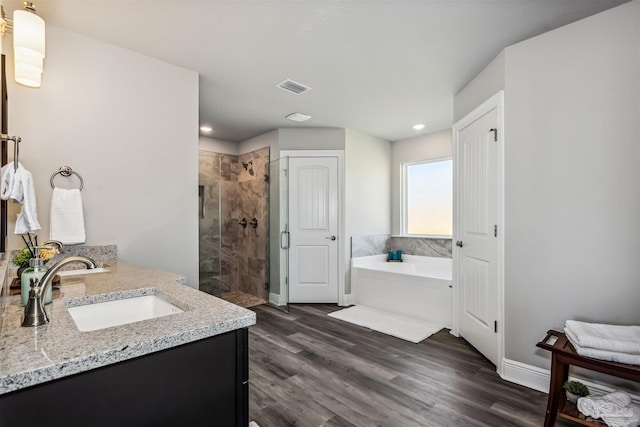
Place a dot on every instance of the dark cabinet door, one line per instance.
(203, 383)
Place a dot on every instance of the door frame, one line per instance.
(339, 154)
(495, 102)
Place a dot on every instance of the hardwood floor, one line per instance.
(307, 369)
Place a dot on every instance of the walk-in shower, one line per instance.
(234, 225)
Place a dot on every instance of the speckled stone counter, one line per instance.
(30, 356)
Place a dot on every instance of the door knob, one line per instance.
(459, 243)
(331, 238)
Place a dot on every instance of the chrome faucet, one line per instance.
(34, 314)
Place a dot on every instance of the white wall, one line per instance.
(572, 200)
(572, 143)
(424, 147)
(312, 138)
(486, 84)
(269, 139)
(367, 190)
(129, 125)
(215, 145)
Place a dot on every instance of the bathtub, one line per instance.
(419, 287)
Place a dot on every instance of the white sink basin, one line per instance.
(91, 317)
(81, 271)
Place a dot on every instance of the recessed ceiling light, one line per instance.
(298, 117)
(206, 129)
(419, 126)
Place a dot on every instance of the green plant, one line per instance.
(577, 388)
(22, 259)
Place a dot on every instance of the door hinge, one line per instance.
(495, 231)
(495, 326)
(495, 134)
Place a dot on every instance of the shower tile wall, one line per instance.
(229, 215)
(252, 242)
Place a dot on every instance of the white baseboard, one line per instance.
(277, 299)
(348, 300)
(538, 379)
(526, 375)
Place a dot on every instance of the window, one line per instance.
(428, 198)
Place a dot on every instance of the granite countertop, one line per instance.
(30, 356)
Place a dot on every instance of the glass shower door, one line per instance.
(279, 233)
(209, 222)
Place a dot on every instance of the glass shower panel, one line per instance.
(279, 233)
(209, 221)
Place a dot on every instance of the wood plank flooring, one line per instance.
(307, 369)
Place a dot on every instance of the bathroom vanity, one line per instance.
(187, 368)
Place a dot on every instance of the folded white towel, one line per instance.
(621, 339)
(612, 356)
(631, 419)
(597, 407)
(67, 217)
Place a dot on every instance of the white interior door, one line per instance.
(313, 227)
(476, 233)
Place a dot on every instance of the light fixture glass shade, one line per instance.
(28, 47)
(28, 69)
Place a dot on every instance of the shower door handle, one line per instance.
(284, 244)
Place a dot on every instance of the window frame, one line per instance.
(404, 211)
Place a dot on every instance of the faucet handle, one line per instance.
(34, 314)
(34, 283)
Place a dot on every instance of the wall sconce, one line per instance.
(28, 44)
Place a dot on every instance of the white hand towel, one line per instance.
(28, 217)
(11, 187)
(597, 407)
(8, 175)
(630, 419)
(67, 217)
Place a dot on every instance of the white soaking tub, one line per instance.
(419, 287)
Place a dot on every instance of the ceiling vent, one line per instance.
(293, 87)
(298, 117)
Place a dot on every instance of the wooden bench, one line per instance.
(564, 355)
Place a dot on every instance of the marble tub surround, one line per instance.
(30, 356)
(422, 246)
(381, 244)
(369, 245)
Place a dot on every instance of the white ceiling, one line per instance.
(379, 66)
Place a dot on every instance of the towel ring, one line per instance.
(66, 171)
